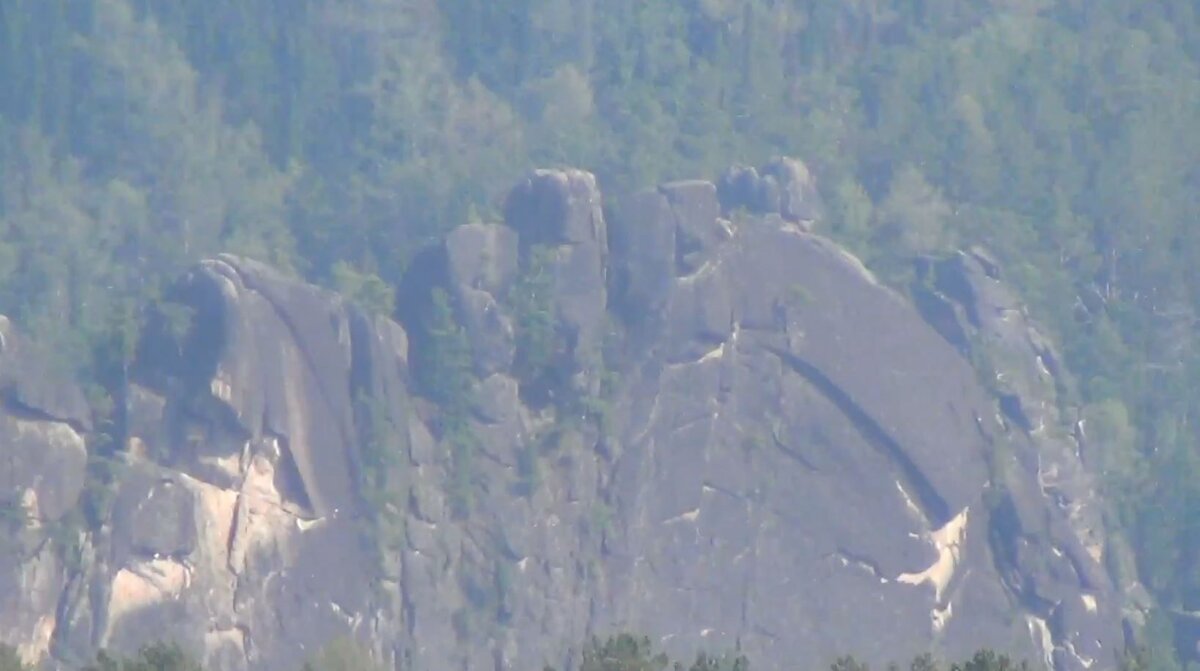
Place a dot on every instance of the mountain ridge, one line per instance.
(686, 415)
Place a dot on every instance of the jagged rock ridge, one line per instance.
(743, 439)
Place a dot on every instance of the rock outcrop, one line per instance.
(740, 438)
(43, 463)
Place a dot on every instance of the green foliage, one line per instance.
(66, 538)
(10, 660)
(14, 518)
(367, 290)
(626, 652)
(444, 366)
(100, 488)
(848, 663)
(178, 319)
(529, 468)
(502, 578)
(381, 481)
(137, 136)
(913, 216)
(1111, 441)
(989, 660)
(152, 657)
(531, 301)
(462, 445)
(13, 514)
(601, 517)
(444, 371)
(1150, 658)
(982, 660)
(342, 654)
(623, 653)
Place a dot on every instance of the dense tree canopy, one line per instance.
(621, 652)
(334, 139)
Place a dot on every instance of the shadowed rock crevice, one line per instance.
(932, 505)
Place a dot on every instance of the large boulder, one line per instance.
(237, 528)
(481, 266)
(793, 431)
(560, 212)
(783, 186)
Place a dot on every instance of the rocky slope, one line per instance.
(733, 436)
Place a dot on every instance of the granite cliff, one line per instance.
(682, 413)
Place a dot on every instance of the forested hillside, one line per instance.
(334, 139)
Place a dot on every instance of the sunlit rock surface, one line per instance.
(745, 440)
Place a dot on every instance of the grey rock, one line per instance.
(154, 518)
(29, 590)
(556, 207)
(280, 363)
(1027, 377)
(784, 186)
(695, 209)
(799, 199)
(642, 238)
(42, 424)
(561, 212)
(476, 266)
(146, 422)
(489, 330)
(481, 265)
(792, 458)
(482, 256)
(30, 385)
(741, 187)
(41, 463)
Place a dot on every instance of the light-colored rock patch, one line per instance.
(145, 584)
(948, 543)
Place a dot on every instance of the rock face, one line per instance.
(740, 439)
(42, 467)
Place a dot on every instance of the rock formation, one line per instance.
(739, 438)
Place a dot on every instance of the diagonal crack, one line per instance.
(865, 563)
(21, 410)
(792, 453)
(931, 503)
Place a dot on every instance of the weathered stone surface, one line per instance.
(251, 518)
(790, 459)
(556, 207)
(276, 359)
(481, 263)
(783, 186)
(1026, 374)
(642, 238)
(43, 461)
(30, 385)
(489, 330)
(798, 196)
(1052, 556)
(482, 256)
(561, 211)
(695, 211)
(29, 590)
(153, 518)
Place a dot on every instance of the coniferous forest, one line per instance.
(623, 652)
(335, 139)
